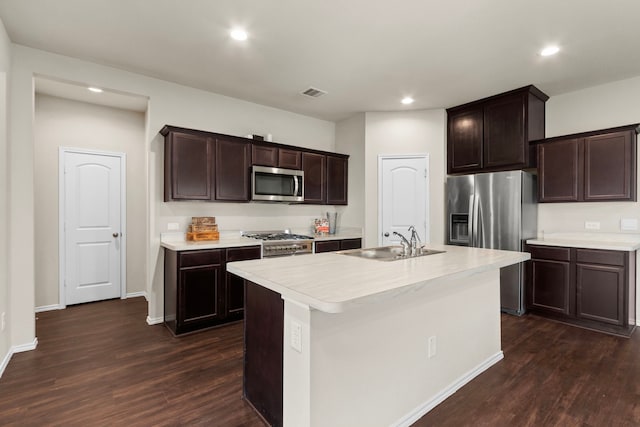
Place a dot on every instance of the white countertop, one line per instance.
(177, 242)
(230, 239)
(333, 283)
(607, 241)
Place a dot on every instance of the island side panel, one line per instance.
(263, 341)
(370, 366)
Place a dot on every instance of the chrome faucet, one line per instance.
(410, 247)
(406, 245)
(415, 238)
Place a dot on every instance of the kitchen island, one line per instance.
(366, 342)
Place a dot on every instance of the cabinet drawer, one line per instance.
(596, 256)
(327, 246)
(204, 257)
(241, 254)
(549, 252)
(350, 244)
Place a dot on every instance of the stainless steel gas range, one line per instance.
(281, 242)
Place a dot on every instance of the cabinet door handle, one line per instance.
(386, 234)
(115, 234)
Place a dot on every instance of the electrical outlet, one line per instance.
(2, 321)
(296, 336)
(173, 226)
(592, 225)
(431, 345)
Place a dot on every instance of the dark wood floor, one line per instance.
(101, 364)
(552, 375)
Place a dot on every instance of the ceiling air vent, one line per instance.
(314, 93)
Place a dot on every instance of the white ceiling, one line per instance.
(367, 54)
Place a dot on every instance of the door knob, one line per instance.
(386, 234)
(115, 234)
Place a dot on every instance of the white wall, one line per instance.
(412, 132)
(65, 123)
(599, 107)
(169, 103)
(350, 139)
(5, 65)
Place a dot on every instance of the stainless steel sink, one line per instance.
(388, 253)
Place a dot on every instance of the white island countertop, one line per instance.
(605, 241)
(333, 283)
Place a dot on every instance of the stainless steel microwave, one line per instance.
(277, 184)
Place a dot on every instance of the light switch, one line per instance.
(173, 226)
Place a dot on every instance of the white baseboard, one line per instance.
(48, 308)
(25, 347)
(154, 320)
(5, 361)
(137, 294)
(16, 349)
(421, 410)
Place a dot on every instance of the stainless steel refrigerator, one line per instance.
(496, 211)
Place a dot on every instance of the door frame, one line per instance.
(381, 157)
(61, 218)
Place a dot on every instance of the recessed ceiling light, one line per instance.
(407, 100)
(95, 89)
(239, 34)
(549, 50)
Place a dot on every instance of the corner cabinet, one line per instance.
(337, 182)
(588, 167)
(493, 134)
(315, 181)
(198, 292)
(592, 288)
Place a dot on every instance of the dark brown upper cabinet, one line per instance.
(493, 134)
(289, 159)
(337, 180)
(215, 167)
(188, 174)
(271, 155)
(264, 155)
(232, 170)
(314, 167)
(588, 167)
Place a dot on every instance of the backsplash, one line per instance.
(249, 216)
(572, 217)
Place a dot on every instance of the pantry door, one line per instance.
(92, 244)
(403, 197)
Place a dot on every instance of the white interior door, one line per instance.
(403, 197)
(92, 226)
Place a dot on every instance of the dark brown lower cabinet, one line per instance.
(198, 292)
(592, 288)
(234, 290)
(337, 245)
(263, 358)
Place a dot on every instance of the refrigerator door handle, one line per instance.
(476, 222)
(470, 226)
